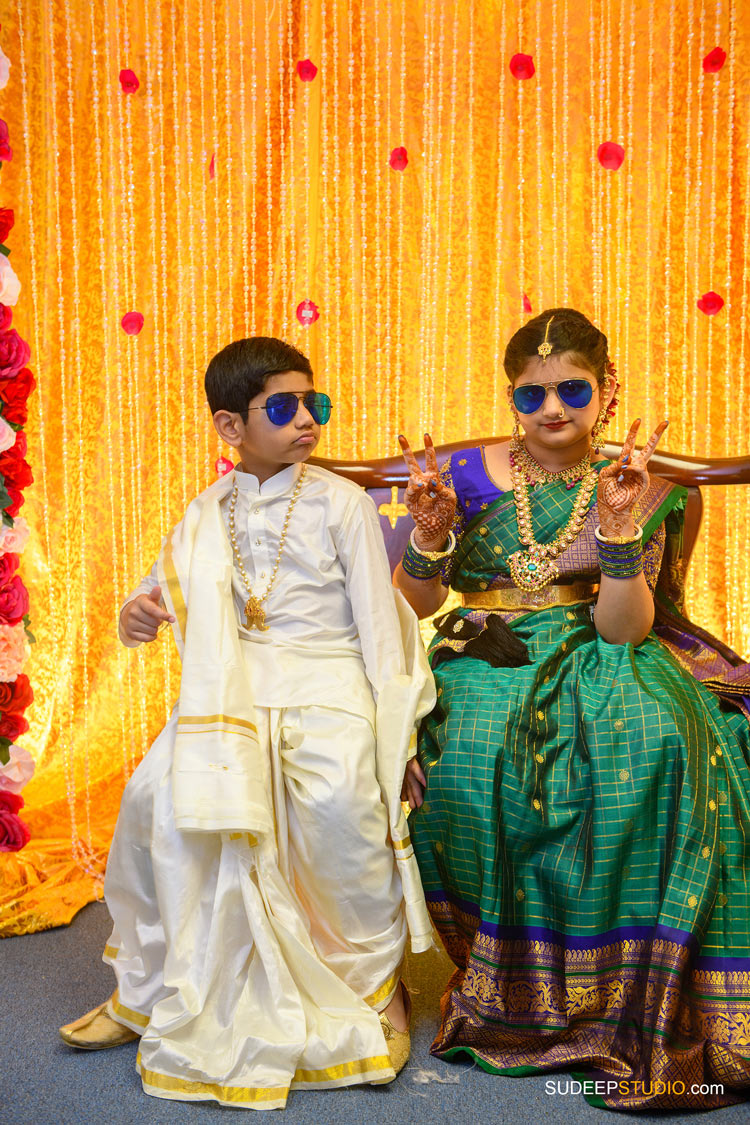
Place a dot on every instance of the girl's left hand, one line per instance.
(414, 785)
(624, 481)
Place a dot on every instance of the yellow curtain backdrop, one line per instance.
(226, 190)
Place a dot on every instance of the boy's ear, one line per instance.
(227, 426)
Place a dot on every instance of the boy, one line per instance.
(261, 877)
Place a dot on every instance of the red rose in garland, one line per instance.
(14, 834)
(13, 726)
(17, 500)
(14, 354)
(7, 219)
(15, 469)
(8, 567)
(6, 316)
(13, 395)
(14, 602)
(21, 444)
(15, 697)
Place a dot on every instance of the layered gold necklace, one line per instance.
(255, 615)
(534, 567)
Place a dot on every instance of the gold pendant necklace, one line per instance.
(535, 567)
(255, 614)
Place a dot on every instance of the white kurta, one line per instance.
(256, 965)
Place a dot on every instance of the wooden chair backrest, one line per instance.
(385, 480)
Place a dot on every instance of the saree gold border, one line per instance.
(127, 1013)
(273, 1096)
(385, 990)
(205, 720)
(173, 586)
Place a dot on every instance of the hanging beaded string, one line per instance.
(255, 615)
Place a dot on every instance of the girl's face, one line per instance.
(556, 423)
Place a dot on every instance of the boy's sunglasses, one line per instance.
(575, 393)
(282, 406)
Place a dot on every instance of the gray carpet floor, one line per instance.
(50, 978)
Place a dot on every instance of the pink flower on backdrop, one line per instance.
(14, 834)
(14, 538)
(6, 152)
(223, 466)
(710, 303)
(13, 651)
(526, 304)
(14, 354)
(522, 66)
(610, 155)
(307, 312)
(132, 322)
(10, 286)
(14, 602)
(212, 167)
(7, 436)
(129, 81)
(714, 60)
(398, 159)
(4, 69)
(17, 771)
(306, 70)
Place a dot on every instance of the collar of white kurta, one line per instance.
(220, 777)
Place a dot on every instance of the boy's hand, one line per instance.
(143, 617)
(414, 785)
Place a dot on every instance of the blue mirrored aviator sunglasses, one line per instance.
(283, 406)
(575, 393)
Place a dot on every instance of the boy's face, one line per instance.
(265, 448)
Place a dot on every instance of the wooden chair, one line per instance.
(385, 480)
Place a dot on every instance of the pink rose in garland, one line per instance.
(14, 834)
(6, 152)
(15, 538)
(14, 354)
(10, 286)
(13, 396)
(12, 651)
(17, 771)
(14, 602)
(7, 436)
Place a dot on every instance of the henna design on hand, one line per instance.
(431, 504)
(624, 481)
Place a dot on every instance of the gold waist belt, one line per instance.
(510, 597)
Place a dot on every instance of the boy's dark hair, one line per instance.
(570, 331)
(239, 371)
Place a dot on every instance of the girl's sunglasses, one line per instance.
(283, 406)
(575, 393)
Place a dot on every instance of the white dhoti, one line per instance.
(252, 968)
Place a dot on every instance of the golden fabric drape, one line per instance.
(226, 190)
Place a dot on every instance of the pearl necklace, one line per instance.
(534, 568)
(255, 615)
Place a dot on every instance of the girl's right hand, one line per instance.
(431, 504)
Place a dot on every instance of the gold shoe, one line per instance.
(96, 1030)
(398, 1042)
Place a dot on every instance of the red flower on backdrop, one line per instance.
(7, 219)
(129, 81)
(14, 354)
(223, 466)
(526, 304)
(15, 469)
(307, 312)
(13, 726)
(6, 152)
(17, 500)
(306, 70)
(13, 396)
(610, 155)
(14, 602)
(132, 322)
(8, 567)
(14, 834)
(17, 696)
(21, 444)
(522, 66)
(714, 60)
(398, 159)
(710, 303)
(6, 317)
(212, 167)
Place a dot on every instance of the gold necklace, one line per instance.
(536, 474)
(535, 567)
(255, 615)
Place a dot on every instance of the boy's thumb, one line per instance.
(155, 595)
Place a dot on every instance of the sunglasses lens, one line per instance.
(575, 393)
(281, 407)
(528, 399)
(319, 406)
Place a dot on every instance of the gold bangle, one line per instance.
(433, 556)
(619, 538)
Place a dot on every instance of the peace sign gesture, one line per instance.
(431, 504)
(622, 482)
